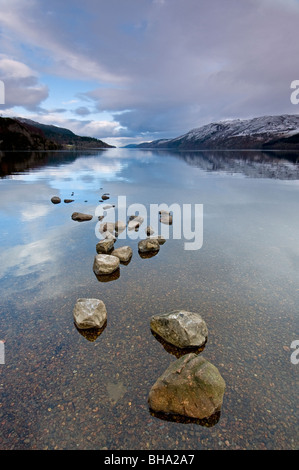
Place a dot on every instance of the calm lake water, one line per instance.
(60, 389)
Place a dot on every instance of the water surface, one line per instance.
(60, 389)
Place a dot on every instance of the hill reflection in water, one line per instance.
(253, 164)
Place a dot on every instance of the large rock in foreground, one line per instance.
(90, 313)
(181, 328)
(105, 264)
(191, 387)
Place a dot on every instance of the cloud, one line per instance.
(53, 31)
(40, 210)
(22, 87)
(82, 111)
(88, 128)
(204, 61)
(106, 128)
(70, 102)
(162, 67)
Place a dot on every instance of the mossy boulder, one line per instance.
(191, 387)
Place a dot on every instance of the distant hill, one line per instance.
(24, 134)
(15, 135)
(66, 138)
(267, 132)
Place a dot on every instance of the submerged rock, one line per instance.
(124, 253)
(91, 334)
(181, 328)
(109, 277)
(105, 246)
(190, 387)
(90, 313)
(148, 254)
(56, 200)
(115, 390)
(148, 245)
(105, 264)
(174, 350)
(79, 217)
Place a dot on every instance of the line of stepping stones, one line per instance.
(191, 387)
(105, 262)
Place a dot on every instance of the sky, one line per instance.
(129, 71)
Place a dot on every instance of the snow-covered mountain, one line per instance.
(270, 132)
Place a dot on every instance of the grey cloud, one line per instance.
(22, 87)
(82, 111)
(23, 93)
(173, 65)
(203, 61)
(58, 110)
